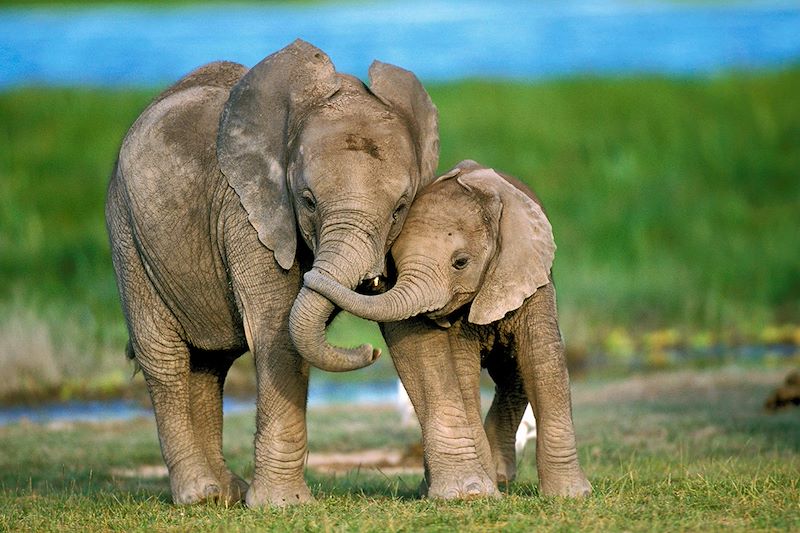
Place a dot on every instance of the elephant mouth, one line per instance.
(373, 285)
(441, 316)
(450, 312)
(438, 313)
(369, 286)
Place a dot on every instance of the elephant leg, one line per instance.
(465, 352)
(164, 359)
(540, 355)
(505, 415)
(453, 466)
(206, 379)
(165, 365)
(265, 293)
(281, 442)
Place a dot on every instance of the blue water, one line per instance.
(437, 39)
(73, 412)
(320, 394)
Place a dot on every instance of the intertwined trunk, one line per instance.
(311, 311)
(415, 292)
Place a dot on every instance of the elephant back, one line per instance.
(219, 74)
(169, 187)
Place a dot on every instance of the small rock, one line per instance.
(786, 395)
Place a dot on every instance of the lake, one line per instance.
(322, 394)
(437, 39)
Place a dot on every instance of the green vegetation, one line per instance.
(674, 204)
(673, 452)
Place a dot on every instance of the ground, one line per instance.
(668, 451)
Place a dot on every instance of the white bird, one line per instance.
(526, 430)
(408, 417)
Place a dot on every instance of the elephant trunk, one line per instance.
(410, 296)
(307, 322)
(311, 312)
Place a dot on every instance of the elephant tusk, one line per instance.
(442, 322)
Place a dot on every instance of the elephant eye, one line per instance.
(460, 261)
(398, 211)
(309, 201)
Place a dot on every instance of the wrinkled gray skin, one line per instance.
(214, 182)
(473, 261)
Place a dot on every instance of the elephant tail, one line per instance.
(129, 353)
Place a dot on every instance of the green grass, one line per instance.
(674, 204)
(667, 452)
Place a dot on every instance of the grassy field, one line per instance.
(669, 452)
(674, 205)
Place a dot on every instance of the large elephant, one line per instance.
(474, 260)
(214, 182)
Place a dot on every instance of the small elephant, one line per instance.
(214, 183)
(474, 260)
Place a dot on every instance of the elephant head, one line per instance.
(316, 153)
(471, 237)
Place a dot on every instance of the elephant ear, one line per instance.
(261, 115)
(460, 168)
(401, 90)
(525, 248)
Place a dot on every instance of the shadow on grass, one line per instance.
(84, 482)
(370, 484)
(404, 488)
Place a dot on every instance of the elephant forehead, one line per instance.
(381, 137)
(358, 174)
(446, 207)
(437, 235)
(445, 220)
(342, 148)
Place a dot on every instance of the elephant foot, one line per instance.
(469, 488)
(570, 486)
(506, 471)
(192, 485)
(234, 488)
(264, 495)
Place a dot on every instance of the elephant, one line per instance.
(216, 182)
(474, 289)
